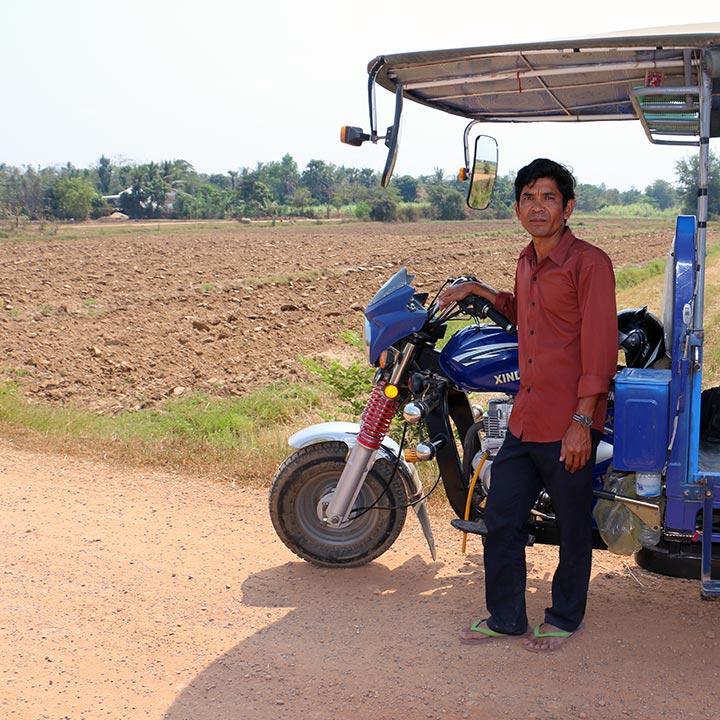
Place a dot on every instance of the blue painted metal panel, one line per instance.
(681, 509)
(641, 419)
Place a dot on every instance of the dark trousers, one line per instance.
(519, 472)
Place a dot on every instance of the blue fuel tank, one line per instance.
(482, 358)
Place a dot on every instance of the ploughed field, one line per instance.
(119, 317)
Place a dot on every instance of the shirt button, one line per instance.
(534, 278)
(529, 361)
(532, 332)
(528, 389)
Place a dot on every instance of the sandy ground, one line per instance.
(132, 595)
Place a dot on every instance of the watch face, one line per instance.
(585, 420)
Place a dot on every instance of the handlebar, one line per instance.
(482, 307)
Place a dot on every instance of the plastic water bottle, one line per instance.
(648, 484)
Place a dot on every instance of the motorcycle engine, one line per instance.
(496, 421)
(495, 425)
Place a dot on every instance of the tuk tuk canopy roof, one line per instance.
(650, 75)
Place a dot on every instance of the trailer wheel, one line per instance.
(681, 560)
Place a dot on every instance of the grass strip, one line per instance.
(243, 439)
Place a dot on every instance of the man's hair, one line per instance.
(544, 168)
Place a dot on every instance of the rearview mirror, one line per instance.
(392, 139)
(351, 135)
(483, 172)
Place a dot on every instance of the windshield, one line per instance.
(399, 280)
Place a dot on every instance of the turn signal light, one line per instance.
(352, 135)
(387, 358)
(410, 455)
(391, 391)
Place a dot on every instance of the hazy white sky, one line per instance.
(225, 84)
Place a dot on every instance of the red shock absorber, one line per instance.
(376, 418)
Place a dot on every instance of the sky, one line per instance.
(226, 84)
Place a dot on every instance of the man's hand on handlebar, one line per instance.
(460, 290)
(481, 305)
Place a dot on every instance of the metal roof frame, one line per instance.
(652, 75)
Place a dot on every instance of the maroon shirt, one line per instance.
(567, 336)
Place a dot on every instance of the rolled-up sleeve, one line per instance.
(598, 335)
(505, 303)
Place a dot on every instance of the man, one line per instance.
(564, 307)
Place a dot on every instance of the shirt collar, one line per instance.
(559, 253)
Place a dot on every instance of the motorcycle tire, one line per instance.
(308, 476)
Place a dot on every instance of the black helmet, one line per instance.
(640, 336)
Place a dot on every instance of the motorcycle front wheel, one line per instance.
(301, 490)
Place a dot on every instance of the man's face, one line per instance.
(541, 210)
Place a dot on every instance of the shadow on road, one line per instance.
(351, 639)
(380, 643)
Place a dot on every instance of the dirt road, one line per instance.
(129, 595)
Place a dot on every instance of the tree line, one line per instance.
(174, 189)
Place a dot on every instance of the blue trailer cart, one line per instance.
(668, 79)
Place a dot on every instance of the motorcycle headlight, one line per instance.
(387, 358)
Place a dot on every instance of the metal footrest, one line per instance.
(478, 527)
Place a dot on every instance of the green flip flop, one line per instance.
(562, 636)
(479, 634)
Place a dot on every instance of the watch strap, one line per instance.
(585, 420)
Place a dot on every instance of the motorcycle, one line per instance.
(341, 498)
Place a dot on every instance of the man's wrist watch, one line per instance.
(585, 420)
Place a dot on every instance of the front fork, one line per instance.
(375, 421)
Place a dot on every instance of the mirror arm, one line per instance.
(466, 144)
(372, 105)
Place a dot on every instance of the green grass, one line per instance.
(350, 383)
(629, 277)
(240, 438)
